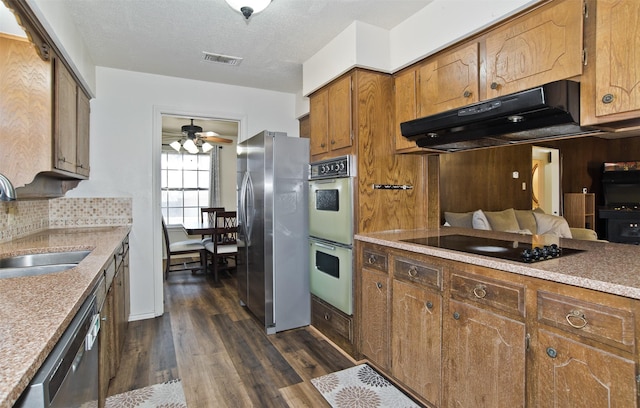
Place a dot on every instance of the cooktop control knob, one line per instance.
(541, 253)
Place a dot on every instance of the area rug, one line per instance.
(165, 395)
(360, 387)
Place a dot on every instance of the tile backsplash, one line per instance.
(20, 218)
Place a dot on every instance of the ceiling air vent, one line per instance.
(221, 59)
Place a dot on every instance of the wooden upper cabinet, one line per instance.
(64, 119)
(448, 81)
(540, 47)
(340, 129)
(609, 88)
(405, 105)
(319, 122)
(331, 118)
(82, 134)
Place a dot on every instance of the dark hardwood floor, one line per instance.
(221, 353)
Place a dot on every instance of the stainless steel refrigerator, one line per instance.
(273, 255)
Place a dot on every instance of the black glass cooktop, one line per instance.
(497, 248)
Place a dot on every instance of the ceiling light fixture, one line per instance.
(248, 7)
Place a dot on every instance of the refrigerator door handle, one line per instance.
(250, 210)
(242, 208)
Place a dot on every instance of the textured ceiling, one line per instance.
(168, 37)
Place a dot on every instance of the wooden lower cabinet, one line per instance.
(114, 315)
(416, 325)
(569, 374)
(484, 358)
(333, 323)
(458, 335)
(375, 324)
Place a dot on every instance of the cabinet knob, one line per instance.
(379, 285)
(480, 291)
(333, 142)
(322, 145)
(494, 85)
(466, 94)
(456, 315)
(608, 98)
(372, 259)
(576, 319)
(551, 352)
(327, 316)
(413, 271)
(429, 305)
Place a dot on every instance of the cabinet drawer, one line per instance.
(595, 321)
(330, 321)
(373, 259)
(409, 270)
(508, 297)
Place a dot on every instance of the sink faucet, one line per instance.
(7, 192)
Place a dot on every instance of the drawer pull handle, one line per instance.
(456, 315)
(576, 319)
(466, 94)
(413, 271)
(379, 285)
(480, 291)
(372, 259)
(327, 316)
(429, 305)
(551, 352)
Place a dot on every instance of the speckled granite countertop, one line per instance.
(35, 311)
(606, 267)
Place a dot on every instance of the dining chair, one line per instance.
(186, 247)
(208, 214)
(223, 248)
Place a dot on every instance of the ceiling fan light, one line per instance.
(175, 145)
(206, 147)
(248, 7)
(190, 146)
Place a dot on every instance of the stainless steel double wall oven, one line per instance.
(331, 184)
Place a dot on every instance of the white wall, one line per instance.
(126, 121)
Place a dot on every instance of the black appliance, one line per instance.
(496, 248)
(621, 211)
(550, 111)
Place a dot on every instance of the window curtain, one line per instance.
(214, 188)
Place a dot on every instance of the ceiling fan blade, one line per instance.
(216, 139)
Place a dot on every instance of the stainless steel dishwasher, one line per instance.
(69, 376)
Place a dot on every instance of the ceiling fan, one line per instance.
(197, 139)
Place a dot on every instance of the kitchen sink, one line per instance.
(40, 264)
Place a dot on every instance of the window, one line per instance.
(185, 186)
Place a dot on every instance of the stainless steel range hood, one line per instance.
(551, 111)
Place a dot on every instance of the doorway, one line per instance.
(545, 179)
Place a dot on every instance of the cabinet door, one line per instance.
(417, 318)
(540, 47)
(484, 359)
(405, 105)
(573, 375)
(82, 138)
(64, 128)
(340, 113)
(319, 122)
(375, 317)
(617, 57)
(449, 81)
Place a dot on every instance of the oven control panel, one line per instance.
(332, 168)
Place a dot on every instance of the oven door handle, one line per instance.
(325, 181)
(325, 246)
